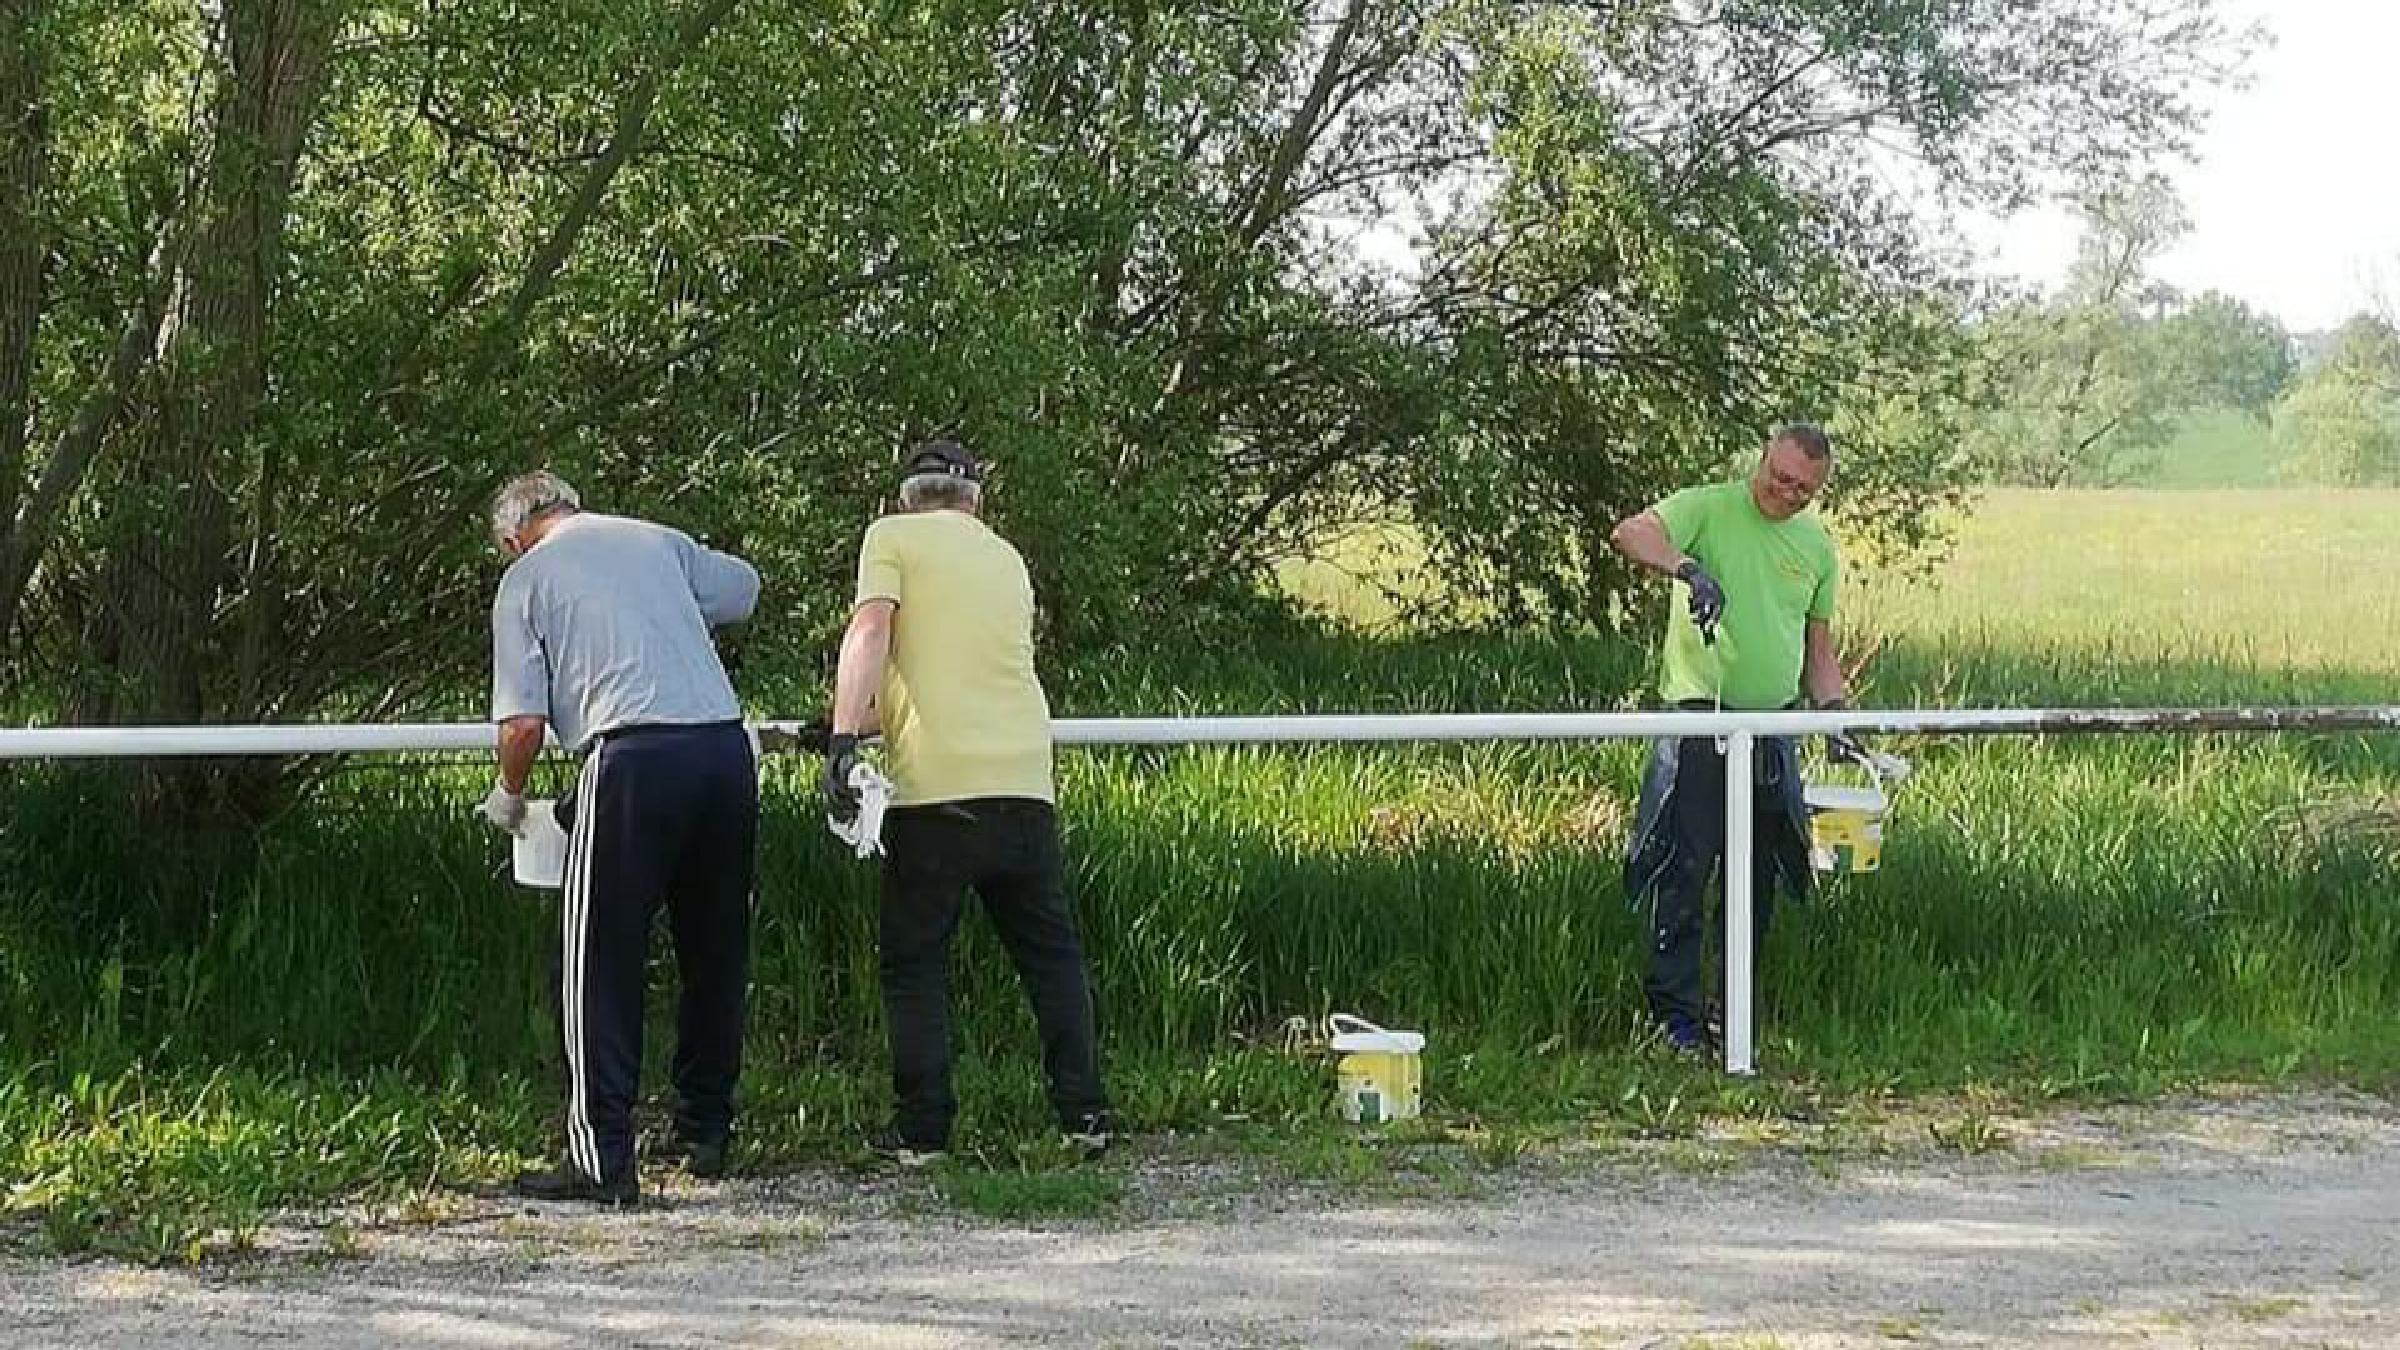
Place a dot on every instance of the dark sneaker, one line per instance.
(1686, 1036)
(1089, 1136)
(707, 1159)
(889, 1146)
(566, 1181)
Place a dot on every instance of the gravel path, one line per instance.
(2224, 1224)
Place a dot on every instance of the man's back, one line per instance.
(604, 624)
(963, 712)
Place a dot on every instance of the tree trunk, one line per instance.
(173, 563)
(24, 250)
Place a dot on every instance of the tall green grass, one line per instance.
(355, 1000)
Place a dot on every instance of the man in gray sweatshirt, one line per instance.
(600, 634)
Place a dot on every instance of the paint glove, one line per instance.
(1707, 597)
(504, 809)
(862, 829)
(841, 758)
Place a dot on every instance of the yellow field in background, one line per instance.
(2302, 580)
(2273, 579)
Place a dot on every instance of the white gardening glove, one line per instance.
(504, 809)
(869, 793)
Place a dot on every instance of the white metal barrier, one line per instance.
(1739, 730)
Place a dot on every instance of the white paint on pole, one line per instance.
(1740, 903)
(281, 739)
(137, 742)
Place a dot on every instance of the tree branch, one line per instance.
(633, 116)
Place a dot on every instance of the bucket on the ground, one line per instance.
(540, 852)
(1381, 1074)
(1845, 824)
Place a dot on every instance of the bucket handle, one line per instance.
(1345, 1023)
(1882, 769)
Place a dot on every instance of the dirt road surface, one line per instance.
(2222, 1224)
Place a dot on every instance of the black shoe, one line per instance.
(892, 1148)
(1687, 1037)
(707, 1159)
(566, 1181)
(1089, 1135)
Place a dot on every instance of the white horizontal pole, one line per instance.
(143, 742)
(274, 739)
(1615, 726)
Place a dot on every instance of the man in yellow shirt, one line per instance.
(939, 652)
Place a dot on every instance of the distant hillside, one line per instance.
(2218, 448)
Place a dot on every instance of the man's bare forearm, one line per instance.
(1821, 672)
(866, 648)
(1642, 539)
(520, 744)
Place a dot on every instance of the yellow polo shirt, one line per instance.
(963, 713)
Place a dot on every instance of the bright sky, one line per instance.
(2294, 195)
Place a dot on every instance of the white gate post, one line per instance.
(1740, 914)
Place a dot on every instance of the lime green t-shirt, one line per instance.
(963, 713)
(1777, 575)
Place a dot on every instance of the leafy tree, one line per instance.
(287, 285)
(2220, 352)
(2089, 386)
(2340, 425)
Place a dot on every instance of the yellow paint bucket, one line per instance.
(1381, 1074)
(1845, 827)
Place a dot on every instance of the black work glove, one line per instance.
(841, 756)
(1707, 598)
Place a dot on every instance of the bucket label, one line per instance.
(1377, 1089)
(1845, 841)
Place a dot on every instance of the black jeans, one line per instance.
(1006, 849)
(1676, 982)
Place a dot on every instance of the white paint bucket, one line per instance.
(1380, 1076)
(540, 852)
(1845, 826)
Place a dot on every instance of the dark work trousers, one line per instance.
(1006, 849)
(1677, 980)
(663, 815)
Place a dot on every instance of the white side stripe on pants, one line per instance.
(575, 914)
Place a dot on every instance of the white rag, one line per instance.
(864, 831)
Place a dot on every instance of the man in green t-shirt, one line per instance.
(1751, 628)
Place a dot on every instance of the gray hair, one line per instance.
(939, 492)
(527, 498)
(1810, 437)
